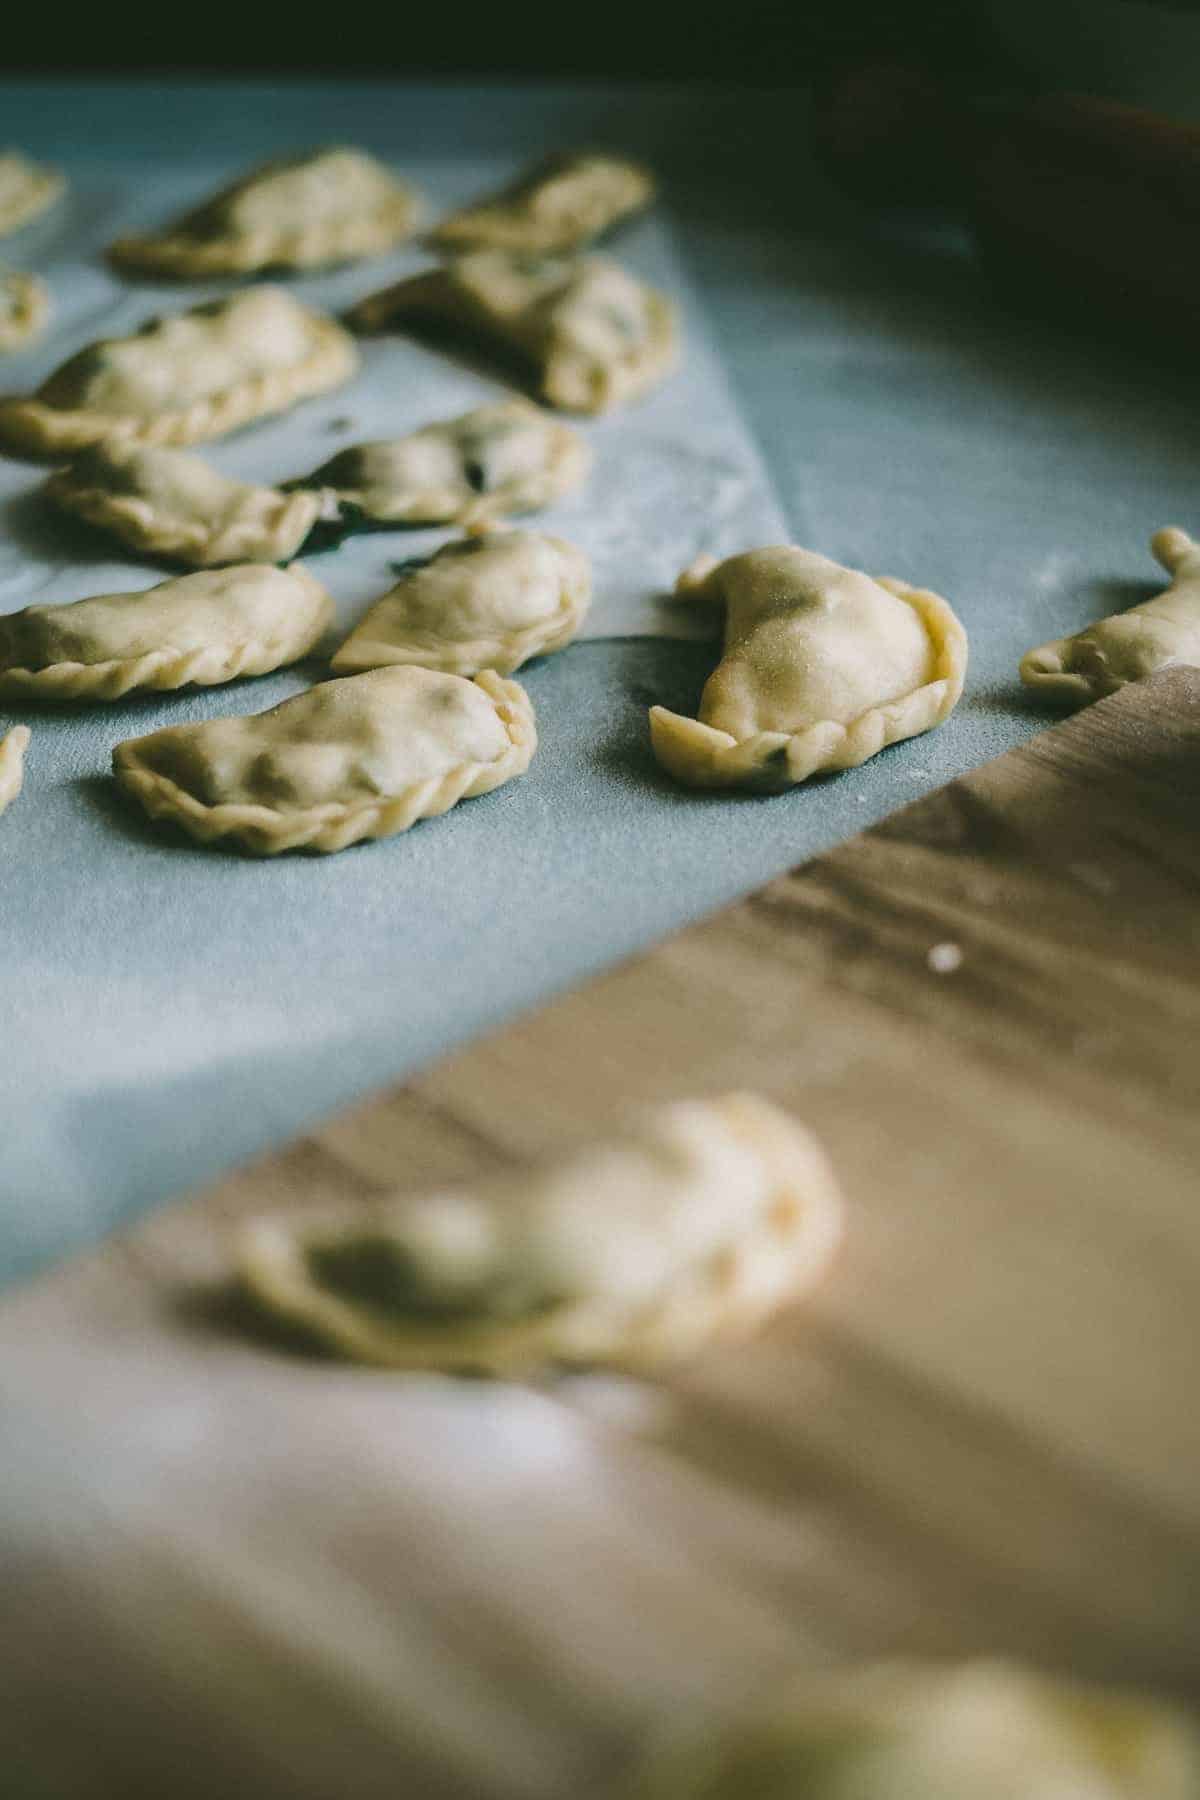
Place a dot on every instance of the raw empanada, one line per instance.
(26, 189)
(563, 203)
(930, 1731)
(325, 206)
(823, 667)
(24, 310)
(171, 503)
(360, 758)
(592, 334)
(179, 380)
(1129, 645)
(489, 603)
(473, 470)
(696, 1220)
(13, 746)
(201, 629)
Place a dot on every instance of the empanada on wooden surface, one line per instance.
(1129, 645)
(24, 310)
(823, 667)
(591, 334)
(183, 379)
(325, 206)
(563, 203)
(201, 629)
(13, 746)
(360, 758)
(26, 189)
(473, 470)
(489, 603)
(695, 1221)
(173, 504)
(978, 1730)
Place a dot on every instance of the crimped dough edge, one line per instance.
(164, 670)
(267, 831)
(30, 427)
(729, 1294)
(701, 756)
(179, 257)
(135, 522)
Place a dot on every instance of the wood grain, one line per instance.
(231, 1563)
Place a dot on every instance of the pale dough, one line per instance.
(196, 629)
(592, 334)
(26, 189)
(325, 206)
(822, 667)
(1129, 645)
(24, 310)
(473, 470)
(182, 379)
(489, 603)
(171, 503)
(694, 1221)
(353, 759)
(563, 203)
(13, 746)
(929, 1731)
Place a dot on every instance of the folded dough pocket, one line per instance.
(562, 203)
(590, 334)
(691, 1222)
(471, 471)
(822, 668)
(299, 212)
(196, 629)
(348, 760)
(170, 503)
(183, 379)
(491, 602)
(1131, 645)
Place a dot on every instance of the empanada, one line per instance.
(360, 758)
(13, 746)
(978, 1730)
(24, 310)
(324, 206)
(591, 334)
(823, 667)
(201, 629)
(563, 203)
(489, 603)
(473, 470)
(694, 1221)
(1129, 645)
(26, 189)
(183, 379)
(171, 503)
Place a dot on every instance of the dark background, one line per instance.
(753, 41)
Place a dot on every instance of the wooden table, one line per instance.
(236, 1568)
